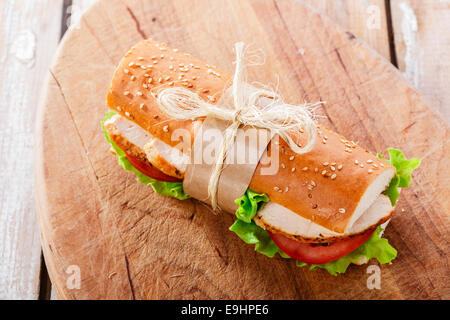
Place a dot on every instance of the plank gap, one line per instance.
(65, 16)
(45, 285)
(390, 31)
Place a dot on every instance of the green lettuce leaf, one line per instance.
(171, 189)
(404, 169)
(376, 247)
(246, 229)
(250, 233)
(249, 204)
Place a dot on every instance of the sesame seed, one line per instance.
(194, 78)
(369, 171)
(280, 191)
(160, 79)
(154, 57)
(126, 71)
(326, 163)
(171, 83)
(127, 114)
(141, 106)
(356, 162)
(324, 141)
(131, 64)
(283, 165)
(150, 80)
(293, 170)
(341, 210)
(145, 86)
(316, 170)
(324, 172)
(139, 93)
(361, 165)
(126, 93)
(305, 169)
(166, 128)
(313, 183)
(291, 158)
(196, 67)
(175, 50)
(340, 167)
(167, 78)
(170, 67)
(276, 188)
(370, 161)
(287, 189)
(155, 62)
(147, 75)
(310, 187)
(332, 168)
(119, 108)
(162, 56)
(140, 58)
(133, 78)
(333, 176)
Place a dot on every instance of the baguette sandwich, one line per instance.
(326, 208)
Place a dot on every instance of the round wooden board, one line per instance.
(130, 243)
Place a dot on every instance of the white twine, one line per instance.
(278, 117)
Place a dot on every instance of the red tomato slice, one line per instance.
(150, 170)
(317, 253)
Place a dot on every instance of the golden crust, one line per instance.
(326, 194)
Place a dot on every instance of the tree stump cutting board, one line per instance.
(129, 243)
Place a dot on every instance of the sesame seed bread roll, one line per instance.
(332, 185)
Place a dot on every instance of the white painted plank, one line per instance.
(422, 42)
(364, 18)
(29, 35)
(76, 10)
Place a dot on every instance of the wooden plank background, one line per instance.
(409, 33)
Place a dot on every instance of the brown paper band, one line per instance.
(240, 162)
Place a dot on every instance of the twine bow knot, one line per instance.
(277, 117)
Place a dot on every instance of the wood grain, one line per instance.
(422, 41)
(366, 19)
(28, 39)
(130, 243)
(73, 12)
